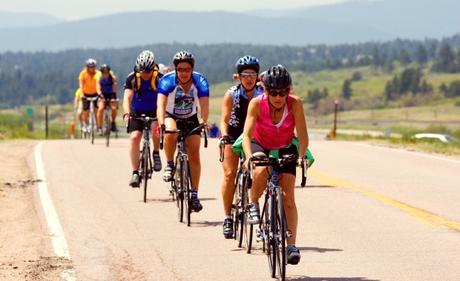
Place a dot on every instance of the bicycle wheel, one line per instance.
(240, 211)
(248, 228)
(235, 206)
(92, 128)
(272, 250)
(186, 189)
(281, 237)
(107, 126)
(179, 190)
(146, 168)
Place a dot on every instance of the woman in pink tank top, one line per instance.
(270, 124)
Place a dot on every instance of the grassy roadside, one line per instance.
(450, 149)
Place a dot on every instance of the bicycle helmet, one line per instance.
(277, 77)
(184, 56)
(90, 62)
(104, 67)
(247, 62)
(145, 61)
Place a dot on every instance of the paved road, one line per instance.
(367, 213)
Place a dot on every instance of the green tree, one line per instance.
(347, 92)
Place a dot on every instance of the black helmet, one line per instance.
(184, 56)
(104, 67)
(277, 77)
(145, 61)
(90, 62)
(247, 62)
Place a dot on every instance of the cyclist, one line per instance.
(179, 94)
(234, 110)
(88, 84)
(78, 106)
(270, 124)
(140, 97)
(107, 89)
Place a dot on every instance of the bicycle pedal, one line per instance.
(288, 233)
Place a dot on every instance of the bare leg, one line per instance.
(287, 182)
(230, 166)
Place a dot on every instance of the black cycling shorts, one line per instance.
(289, 168)
(110, 96)
(138, 125)
(186, 124)
(86, 102)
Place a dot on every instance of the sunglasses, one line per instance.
(281, 93)
(248, 75)
(184, 69)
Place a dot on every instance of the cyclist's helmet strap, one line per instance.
(277, 77)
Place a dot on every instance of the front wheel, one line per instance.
(281, 237)
(186, 189)
(145, 169)
(108, 127)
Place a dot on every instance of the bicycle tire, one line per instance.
(107, 127)
(91, 126)
(281, 242)
(248, 228)
(145, 174)
(235, 206)
(179, 190)
(186, 184)
(241, 206)
(272, 249)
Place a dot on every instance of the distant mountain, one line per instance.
(132, 29)
(14, 20)
(411, 19)
(347, 22)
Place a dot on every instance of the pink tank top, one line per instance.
(274, 136)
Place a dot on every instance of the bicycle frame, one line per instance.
(181, 185)
(145, 161)
(92, 117)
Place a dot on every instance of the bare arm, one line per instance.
(204, 106)
(161, 108)
(227, 105)
(98, 87)
(127, 99)
(115, 84)
(301, 125)
(253, 113)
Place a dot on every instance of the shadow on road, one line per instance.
(319, 250)
(206, 223)
(315, 186)
(305, 278)
(158, 200)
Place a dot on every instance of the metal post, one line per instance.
(336, 107)
(46, 121)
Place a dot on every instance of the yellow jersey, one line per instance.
(89, 82)
(78, 94)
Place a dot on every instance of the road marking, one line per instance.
(58, 241)
(418, 214)
(421, 154)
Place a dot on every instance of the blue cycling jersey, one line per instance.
(106, 84)
(183, 104)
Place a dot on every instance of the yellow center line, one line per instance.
(418, 214)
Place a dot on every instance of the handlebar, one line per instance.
(222, 142)
(199, 127)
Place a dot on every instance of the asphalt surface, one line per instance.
(367, 213)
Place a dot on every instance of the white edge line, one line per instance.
(58, 241)
(408, 152)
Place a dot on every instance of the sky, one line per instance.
(78, 9)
